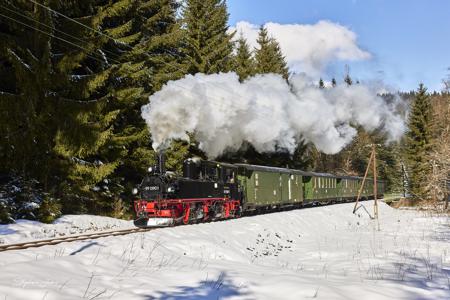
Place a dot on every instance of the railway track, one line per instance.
(71, 238)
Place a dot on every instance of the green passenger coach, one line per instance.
(269, 187)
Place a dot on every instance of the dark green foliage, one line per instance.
(5, 216)
(244, 62)
(49, 210)
(348, 80)
(321, 83)
(19, 199)
(25, 99)
(207, 45)
(149, 59)
(268, 55)
(418, 141)
(58, 120)
(71, 108)
(207, 48)
(333, 82)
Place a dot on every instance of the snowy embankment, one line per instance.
(323, 253)
(26, 230)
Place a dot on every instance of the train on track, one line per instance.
(210, 190)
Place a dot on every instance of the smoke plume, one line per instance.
(265, 111)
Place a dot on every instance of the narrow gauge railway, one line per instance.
(70, 238)
(210, 191)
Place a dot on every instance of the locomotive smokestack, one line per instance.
(162, 162)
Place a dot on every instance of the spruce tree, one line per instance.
(144, 38)
(321, 83)
(333, 82)
(207, 45)
(348, 80)
(149, 58)
(24, 90)
(268, 55)
(269, 59)
(85, 74)
(418, 141)
(56, 120)
(244, 62)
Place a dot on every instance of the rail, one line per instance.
(71, 238)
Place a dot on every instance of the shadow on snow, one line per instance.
(220, 288)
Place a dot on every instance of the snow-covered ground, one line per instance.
(26, 230)
(323, 253)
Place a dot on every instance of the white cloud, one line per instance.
(309, 48)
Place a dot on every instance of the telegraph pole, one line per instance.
(372, 163)
(375, 205)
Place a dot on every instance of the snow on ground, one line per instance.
(26, 230)
(322, 253)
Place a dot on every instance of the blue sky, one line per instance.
(409, 39)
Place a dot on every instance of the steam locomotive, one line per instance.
(210, 190)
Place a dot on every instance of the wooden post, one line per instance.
(375, 206)
(364, 180)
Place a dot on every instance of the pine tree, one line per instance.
(207, 45)
(418, 141)
(268, 56)
(244, 62)
(321, 83)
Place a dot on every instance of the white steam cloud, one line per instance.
(309, 48)
(264, 111)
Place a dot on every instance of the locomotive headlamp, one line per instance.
(170, 189)
(150, 169)
(134, 191)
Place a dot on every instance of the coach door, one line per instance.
(285, 188)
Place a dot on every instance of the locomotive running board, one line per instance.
(153, 222)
